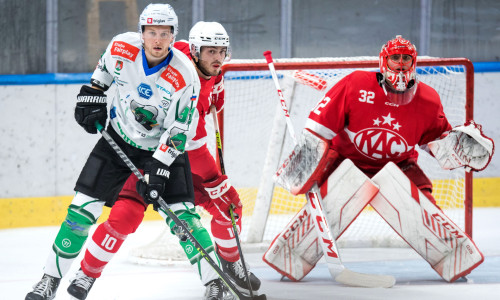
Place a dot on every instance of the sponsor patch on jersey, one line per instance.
(145, 91)
(174, 77)
(119, 65)
(124, 50)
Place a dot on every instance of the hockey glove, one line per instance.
(218, 93)
(156, 174)
(90, 107)
(222, 194)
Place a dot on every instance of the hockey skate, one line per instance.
(217, 290)
(45, 289)
(81, 285)
(237, 274)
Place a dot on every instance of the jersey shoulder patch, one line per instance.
(174, 77)
(126, 45)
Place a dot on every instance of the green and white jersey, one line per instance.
(150, 105)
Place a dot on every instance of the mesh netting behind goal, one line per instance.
(256, 141)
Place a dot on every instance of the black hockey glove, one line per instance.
(91, 107)
(156, 174)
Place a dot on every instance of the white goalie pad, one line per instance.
(450, 252)
(309, 160)
(465, 146)
(295, 251)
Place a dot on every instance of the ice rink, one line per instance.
(23, 253)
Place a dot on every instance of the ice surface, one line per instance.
(23, 253)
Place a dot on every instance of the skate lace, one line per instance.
(238, 269)
(213, 290)
(43, 288)
(83, 280)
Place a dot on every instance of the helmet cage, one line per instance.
(398, 80)
(208, 34)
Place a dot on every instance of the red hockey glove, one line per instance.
(222, 193)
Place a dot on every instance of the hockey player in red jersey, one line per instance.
(359, 144)
(208, 47)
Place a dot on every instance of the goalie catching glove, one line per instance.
(156, 175)
(223, 194)
(90, 107)
(465, 146)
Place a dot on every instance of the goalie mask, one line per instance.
(208, 34)
(159, 14)
(398, 62)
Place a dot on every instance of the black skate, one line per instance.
(215, 290)
(237, 274)
(45, 289)
(81, 285)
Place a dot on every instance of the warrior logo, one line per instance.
(144, 114)
(381, 143)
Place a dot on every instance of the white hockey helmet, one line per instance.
(159, 14)
(208, 34)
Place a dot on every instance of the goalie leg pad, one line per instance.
(295, 251)
(450, 252)
(82, 214)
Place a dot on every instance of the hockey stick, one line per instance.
(174, 218)
(325, 238)
(223, 171)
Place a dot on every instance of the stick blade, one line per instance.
(355, 279)
(255, 297)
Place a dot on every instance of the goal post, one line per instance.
(255, 140)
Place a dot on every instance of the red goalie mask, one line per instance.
(398, 62)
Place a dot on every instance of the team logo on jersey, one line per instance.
(124, 50)
(119, 65)
(381, 142)
(145, 91)
(174, 77)
(144, 114)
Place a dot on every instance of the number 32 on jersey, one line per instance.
(364, 96)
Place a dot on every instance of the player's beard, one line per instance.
(207, 69)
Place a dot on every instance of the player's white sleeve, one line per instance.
(465, 146)
(173, 140)
(295, 251)
(101, 77)
(423, 225)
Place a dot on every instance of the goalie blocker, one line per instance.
(417, 219)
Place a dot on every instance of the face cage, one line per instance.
(398, 97)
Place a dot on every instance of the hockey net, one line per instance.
(255, 141)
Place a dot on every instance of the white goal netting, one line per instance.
(256, 141)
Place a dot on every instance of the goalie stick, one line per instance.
(176, 220)
(337, 269)
(223, 171)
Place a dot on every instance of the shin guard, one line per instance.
(82, 214)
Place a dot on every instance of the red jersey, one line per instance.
(202, 162)
(371, 131)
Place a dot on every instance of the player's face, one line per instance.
(157, 39)
(399, 62)
(211, 58)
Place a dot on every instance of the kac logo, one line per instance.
(145, 91)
